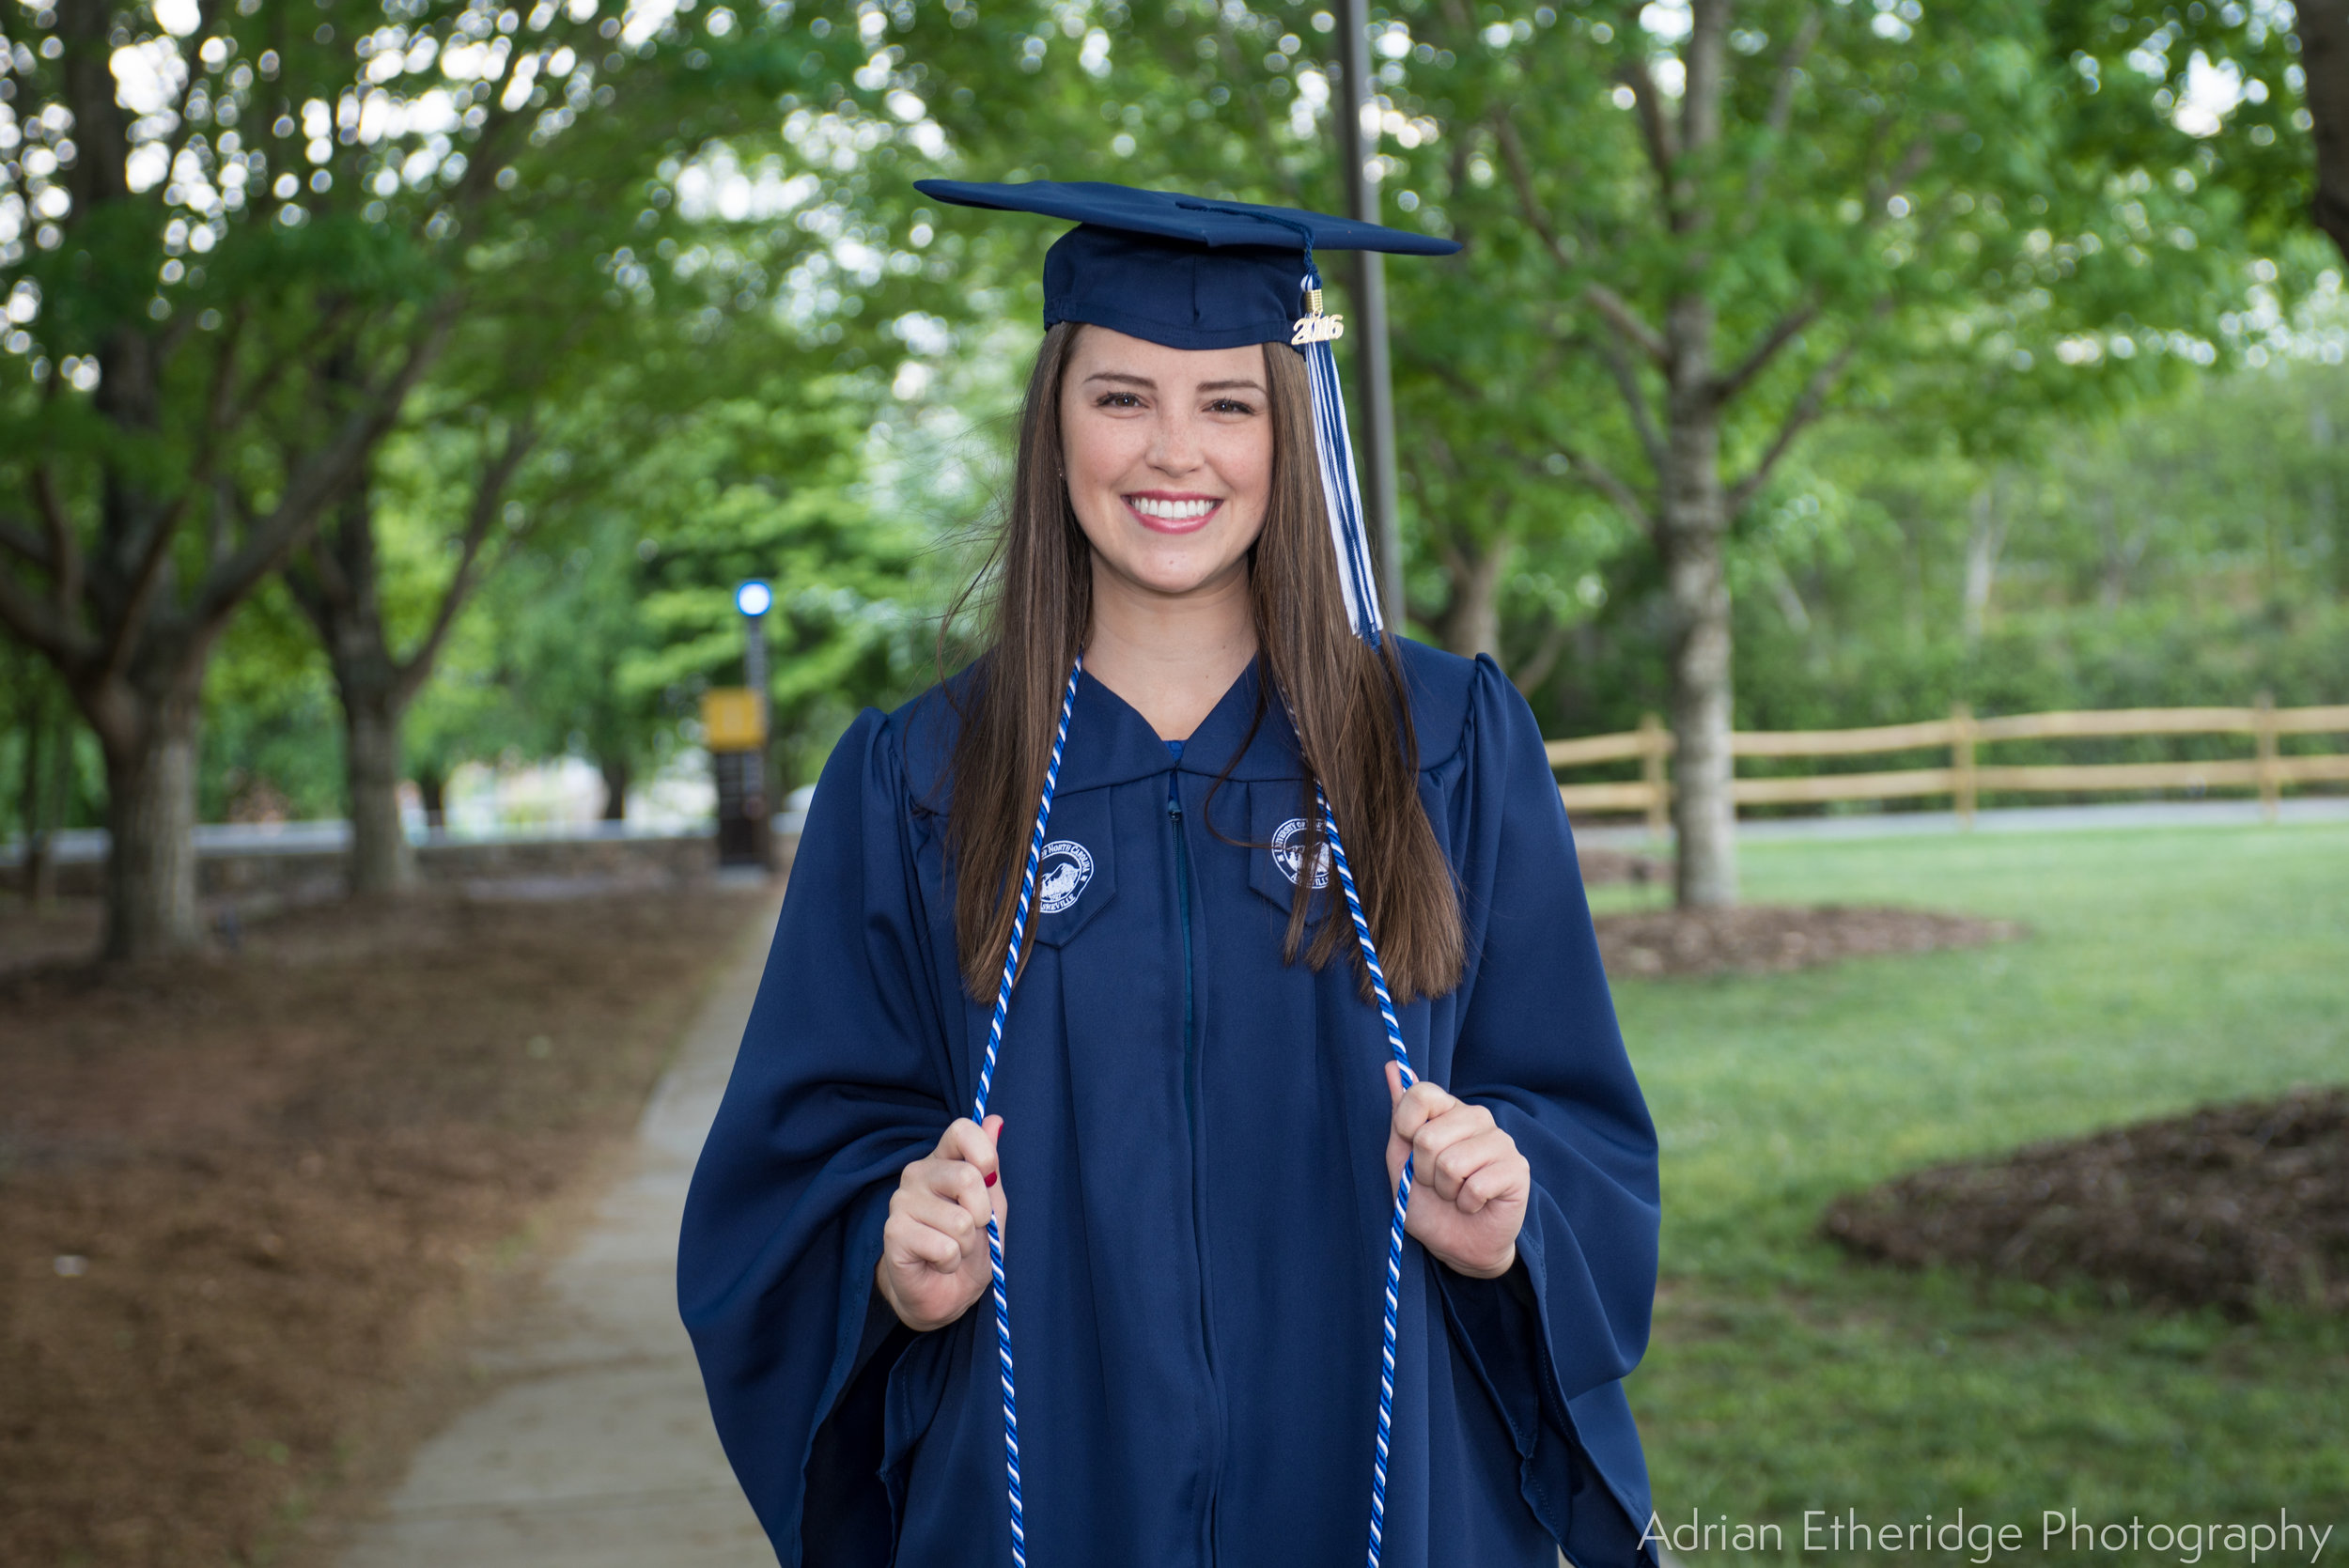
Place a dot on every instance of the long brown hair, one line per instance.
(1347, 702)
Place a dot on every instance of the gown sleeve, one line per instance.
(1538, 1045)
(841, 1081)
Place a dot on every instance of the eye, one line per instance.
(1231, 405)
(1117, 400)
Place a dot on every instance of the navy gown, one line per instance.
(1193, 1154)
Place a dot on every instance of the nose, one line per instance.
(1174, 443)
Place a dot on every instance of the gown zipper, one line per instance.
(1191, 1123)
(1182, 907)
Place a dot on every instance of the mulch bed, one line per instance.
(1766, 938)
(244, 1200)
(2233, 1206)
(30, 937)
(1606, 867)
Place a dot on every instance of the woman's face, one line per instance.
(1168, 453)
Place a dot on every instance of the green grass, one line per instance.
(2163, 969)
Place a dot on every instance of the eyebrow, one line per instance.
(1147, 381)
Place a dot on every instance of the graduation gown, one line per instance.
(1193, 1156)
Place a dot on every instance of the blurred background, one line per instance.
(462, 465)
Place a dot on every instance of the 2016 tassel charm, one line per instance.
(1313, 326)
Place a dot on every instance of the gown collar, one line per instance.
(1110, 744)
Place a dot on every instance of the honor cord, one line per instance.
(1402, 1187)
(978, 1114)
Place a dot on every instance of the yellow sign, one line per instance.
(731, 721)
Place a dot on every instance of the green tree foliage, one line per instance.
(1741, 215)
(685, 258)
(1694, 231)
(2188, 554)
(757, 487)
(272, 731)
(616, 612)
(237, 238)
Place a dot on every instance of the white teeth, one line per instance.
(1169, 511)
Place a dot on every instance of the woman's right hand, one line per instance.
(934, 1262)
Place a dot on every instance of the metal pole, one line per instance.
(755, 662)
(762, 779)
(1367, 331)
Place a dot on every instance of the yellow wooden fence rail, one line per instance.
(1966, 777)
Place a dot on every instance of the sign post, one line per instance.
(734, 727)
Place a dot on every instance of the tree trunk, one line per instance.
(1471, 621)
(40, 858)
(2323, 31)
(47, 781)
(617, 775)
(1985, 537)
(432, 785)
(35, 715)
(339, 592)
(1704, 815)
(1693, 518)
(380, 859)
(2325, 529)
(2120, 555)
(338, 586)
(150, 824)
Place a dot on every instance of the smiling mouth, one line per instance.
(1173, 514)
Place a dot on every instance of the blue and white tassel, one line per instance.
(978, 1112)
(1341, 487)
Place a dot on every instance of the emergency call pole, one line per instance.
(734, 726)
(1367, 331)
(753, 598)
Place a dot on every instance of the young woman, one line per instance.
(1160, 990)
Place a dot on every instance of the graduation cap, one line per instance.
(1192, 272)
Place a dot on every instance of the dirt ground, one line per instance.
(1759, 937)
(1601, 867)
(2234, 1206)
(246, 1201)
(1756, 939)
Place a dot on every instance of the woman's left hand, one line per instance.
(1468, 1184)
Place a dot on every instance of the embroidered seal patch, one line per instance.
(1062, 875)
(1288, 852)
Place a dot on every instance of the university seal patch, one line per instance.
(1061, 876)
(1288, 852)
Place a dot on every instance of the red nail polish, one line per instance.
(990, 1178)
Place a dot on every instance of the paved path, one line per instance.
(596, 1451)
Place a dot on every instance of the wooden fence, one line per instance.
(1966, 778)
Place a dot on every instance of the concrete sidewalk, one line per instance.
(597, 1451)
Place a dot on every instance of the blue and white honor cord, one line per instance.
(978, 1112)
(1402, 1187)
(986, 1083)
